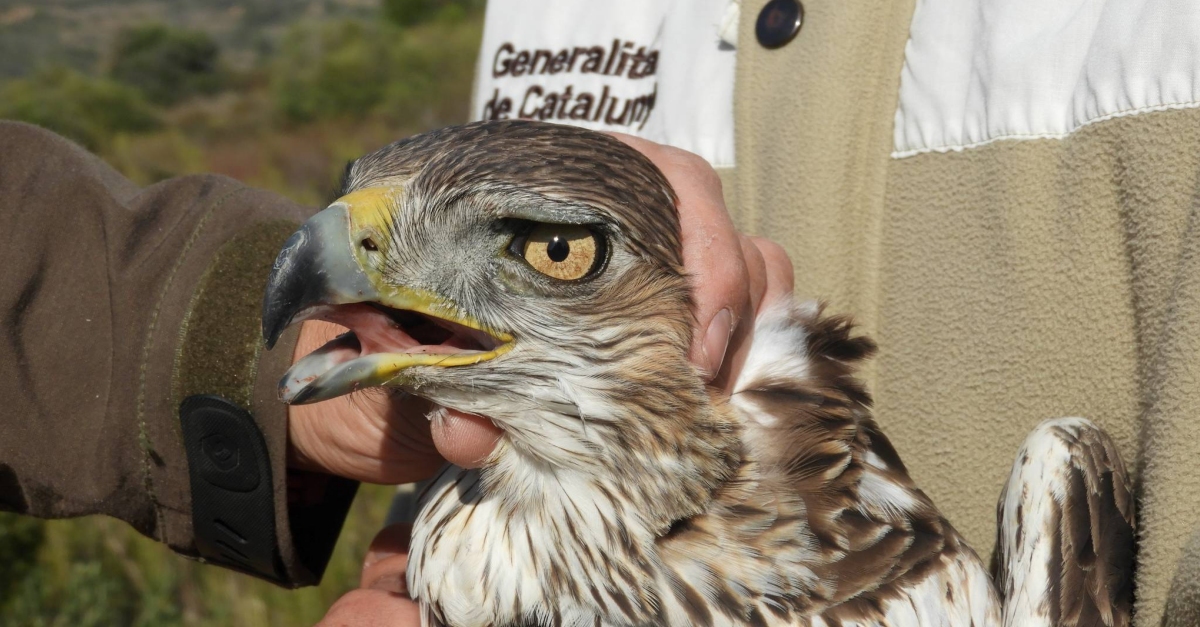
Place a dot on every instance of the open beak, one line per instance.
(319, 274)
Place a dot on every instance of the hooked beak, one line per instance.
(320, 274)
(315, 269)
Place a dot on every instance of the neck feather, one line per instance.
(583, 536)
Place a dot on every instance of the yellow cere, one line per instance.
(371, 208)
(562, 251)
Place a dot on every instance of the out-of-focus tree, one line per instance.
(91, 578)
(431, 72)
(337, 69)
(87, 109)
(20, 539)
(417, 76)
(410, 12)
(167, 64)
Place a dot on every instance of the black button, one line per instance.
(221, 452)
(224, 440)
(778, 23)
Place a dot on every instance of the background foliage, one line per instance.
(165, 64)
(277, 93)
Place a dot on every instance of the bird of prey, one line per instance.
(533, 273)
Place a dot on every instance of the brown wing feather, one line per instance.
(1086, 542)
(878, 534)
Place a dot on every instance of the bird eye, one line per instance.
(562, 251)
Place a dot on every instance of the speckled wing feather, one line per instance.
(1065, 548)
(882, 553)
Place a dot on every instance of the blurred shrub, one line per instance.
(20, 538)
(148, 159)
(432, 68)
(98, 572)
(167, 64)
(86, 109)
(88, 578)
(411, 12)
(332, 69)
(351, 68)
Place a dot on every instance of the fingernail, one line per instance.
(374, 556)
(716, 341)
(388, 543)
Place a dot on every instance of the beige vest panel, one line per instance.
(1006, 284)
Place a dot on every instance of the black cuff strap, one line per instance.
(233, 500)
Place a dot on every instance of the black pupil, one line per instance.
(558, 249)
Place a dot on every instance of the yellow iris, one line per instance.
(562, 251)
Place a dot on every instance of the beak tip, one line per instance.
(272, 324)
(290, 391)
(302, 397)
(271, 332)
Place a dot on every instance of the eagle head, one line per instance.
(528, 272)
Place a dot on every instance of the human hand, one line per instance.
(733, 275)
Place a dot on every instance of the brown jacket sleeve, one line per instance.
(118, 303)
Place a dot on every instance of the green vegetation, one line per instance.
(324, 91)
(166, 64)
(19, 542)
(350, 69)
(87, 109)
(333, 70)
(96, 572)
(161, 101)
(81, 33)
(410, 12)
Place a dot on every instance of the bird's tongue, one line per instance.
(379, 333)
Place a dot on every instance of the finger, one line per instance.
(769, 278)
(780, 275)
(713, 259)
(393, 540)
(755, 286)
(756, 271)
(379, 436)
(389, 574)
(465, 440)
(712, 251)
(301, 429)
(371, 435)
(372, 608)
(385, 567)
